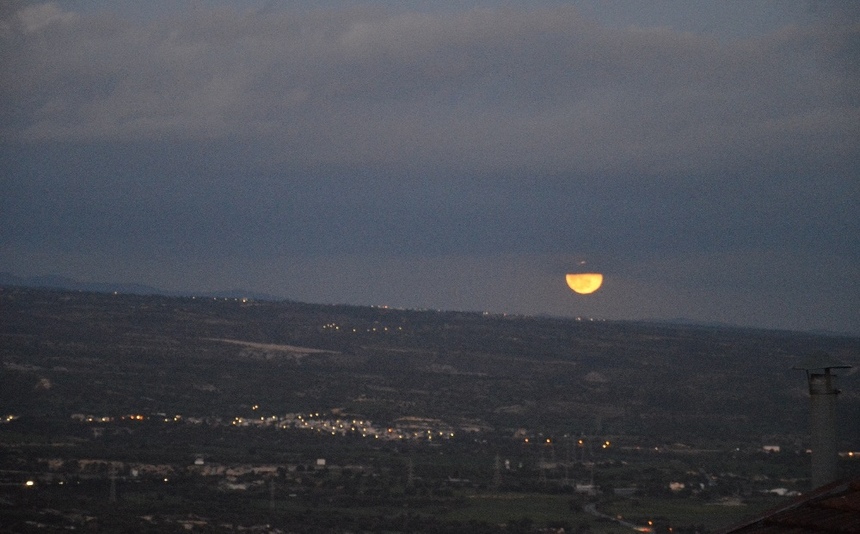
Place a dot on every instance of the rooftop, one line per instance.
(831, 508)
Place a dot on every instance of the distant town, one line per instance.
(165, 413)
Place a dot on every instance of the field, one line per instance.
(150, 413)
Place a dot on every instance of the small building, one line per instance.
(625, 492)
(782, 492)
(586, 489)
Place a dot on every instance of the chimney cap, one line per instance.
(820, 360)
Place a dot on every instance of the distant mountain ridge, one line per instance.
(52, 281)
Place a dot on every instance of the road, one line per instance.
(591, 508)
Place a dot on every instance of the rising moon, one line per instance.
(584, 283)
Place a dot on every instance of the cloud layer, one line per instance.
(251, 146)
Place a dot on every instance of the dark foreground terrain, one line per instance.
(147, 413)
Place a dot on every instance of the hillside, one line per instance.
(153, 413)
(130, 353)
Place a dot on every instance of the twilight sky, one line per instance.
(705, 156)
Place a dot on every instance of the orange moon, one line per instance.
(585, 283)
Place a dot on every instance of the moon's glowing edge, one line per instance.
(584, 283)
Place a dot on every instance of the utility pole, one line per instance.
(112, 475)
(497, 473)
(271, 493)
(410, 474)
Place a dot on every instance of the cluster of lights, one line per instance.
(334, 327)
(225, 299)
(110, 419)
(579, 443)
(333, 427)
(649, 528)
(242, 421)
(128, 417)
(363, 427)
(311, 421)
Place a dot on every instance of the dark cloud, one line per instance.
(438, 157)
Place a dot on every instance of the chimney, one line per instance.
(822, 414)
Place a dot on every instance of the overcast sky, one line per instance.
(703, 156)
